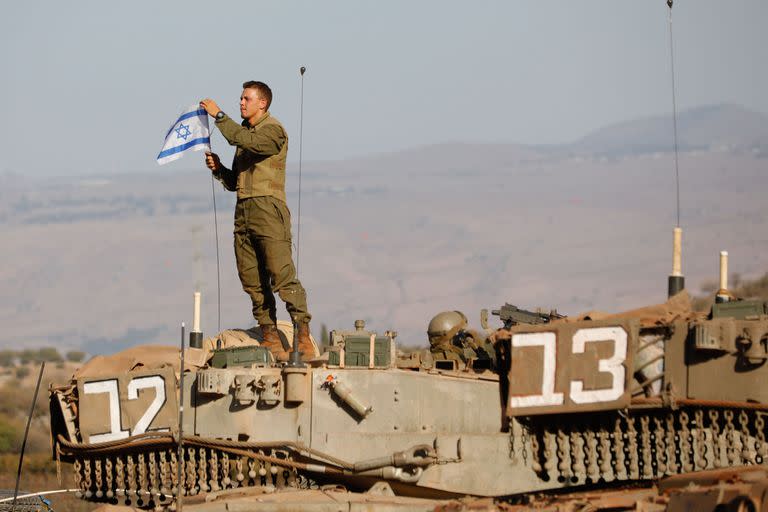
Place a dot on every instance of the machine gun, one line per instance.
(512, 315)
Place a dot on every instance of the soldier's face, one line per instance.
(251, 105)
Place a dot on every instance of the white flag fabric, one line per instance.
(189, 132)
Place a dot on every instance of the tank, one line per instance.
(649, 409)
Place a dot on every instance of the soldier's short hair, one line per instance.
(262, 88)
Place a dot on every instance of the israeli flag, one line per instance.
(189, 132)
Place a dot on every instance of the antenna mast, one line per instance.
(676, 280)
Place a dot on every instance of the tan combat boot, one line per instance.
(306, 347)
(270, 339)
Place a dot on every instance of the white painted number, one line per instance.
(613, 365)
(107, 386)
(548, 395)
(110, 387)
(152, 381)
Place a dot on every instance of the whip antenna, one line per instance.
(26, 434)
(302, 69)
(674, 110)
(216, 230)
(218, 267)
(676, 280)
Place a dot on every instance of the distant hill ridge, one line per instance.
(723, 126)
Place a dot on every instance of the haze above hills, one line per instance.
(100, 263)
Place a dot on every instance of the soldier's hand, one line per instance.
(212, 161)
(210, 106)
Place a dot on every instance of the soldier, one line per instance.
(451, 339)
(262, 220)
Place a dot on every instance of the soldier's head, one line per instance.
(444, 326)
(255, 100)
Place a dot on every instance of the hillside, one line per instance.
(712, 127)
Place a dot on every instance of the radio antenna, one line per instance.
(302, 70)
(674, 111)
(26, 434)
(676, 280)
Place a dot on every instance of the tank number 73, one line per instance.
(109, 387)
(578, 395)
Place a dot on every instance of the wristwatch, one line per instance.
(220, 115)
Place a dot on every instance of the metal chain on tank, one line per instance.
(747, 441)
(606, 462)
(98, 476)
(77, 469)
(213, 470)
(733, 445)
(634, 453)
(154, 485)
(132, 487)
(202, 470)
(659, 437)
(714, 425)
(700, 448)
(190, 478)
(239, 476)
(563, 456)
(108, 469)
(550, 454)
(226, 471)
(535, 461)
(593, 470)
(512, 448)
(686, 442)
(762, 447)
(120, 483)
(577, 453)
(178, 471)
(252, 473)
(166, 478)
(646, 448)
(87, 478)
(620, 456)
(143, 477)
(671, 441)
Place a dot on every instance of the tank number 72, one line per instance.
(109, 386)
(612, 365)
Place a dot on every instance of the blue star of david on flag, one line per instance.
(189, 132)
(182, 132)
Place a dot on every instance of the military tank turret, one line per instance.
(591, 403)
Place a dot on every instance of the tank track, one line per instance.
(641, 443)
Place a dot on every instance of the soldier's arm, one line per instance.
(227, 177)
(267, 141)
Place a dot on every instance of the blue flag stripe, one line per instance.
(194, 113)
(183, 147)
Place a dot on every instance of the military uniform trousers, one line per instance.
(264, 260)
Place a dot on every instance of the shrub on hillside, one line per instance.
(49, 355)
(7, 358)
(10, 435)
(21, 372)
(27, 356)
(75, 356)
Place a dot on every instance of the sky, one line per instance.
(90, 87)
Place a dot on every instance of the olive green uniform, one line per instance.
(262, 219)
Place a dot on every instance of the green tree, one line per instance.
(9, 436)
(49, 355)
(27, 356)
(7, 358)
(324, 340)
(75, 356)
